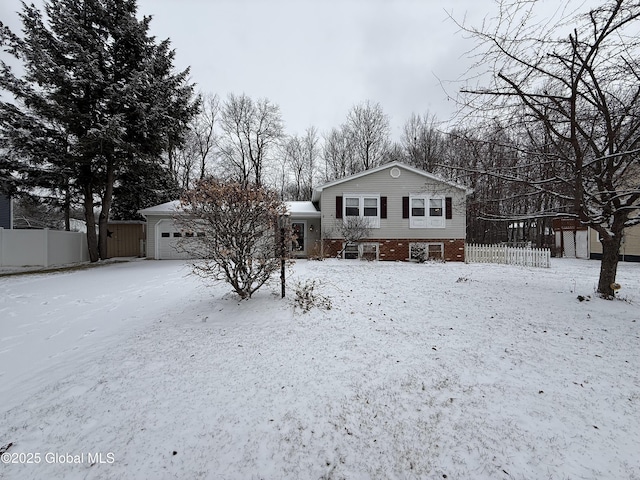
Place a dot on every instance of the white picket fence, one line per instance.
(527, 257)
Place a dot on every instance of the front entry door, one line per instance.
(298, 243)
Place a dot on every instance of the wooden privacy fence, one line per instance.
(527, 257)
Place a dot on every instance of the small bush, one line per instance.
(307, 297)
(315, 252)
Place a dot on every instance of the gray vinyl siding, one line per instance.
(394, 226)
(5, 212)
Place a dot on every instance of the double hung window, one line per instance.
(426, 212)
(363, 206)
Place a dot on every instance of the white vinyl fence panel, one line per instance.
(44, 248)
(527, 257)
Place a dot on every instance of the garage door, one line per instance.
(168, 237)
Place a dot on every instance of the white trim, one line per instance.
(427, 221)
(375, 221)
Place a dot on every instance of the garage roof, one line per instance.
(168, 208)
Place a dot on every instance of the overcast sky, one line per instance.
(318, 58)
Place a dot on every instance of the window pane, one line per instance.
(352, 207)
(435, 250)
(177, 234)
(435, 207)
(165, 234)
(417, 207)
(351, 251)
(370, 207)
(369, 251)
(352, 211)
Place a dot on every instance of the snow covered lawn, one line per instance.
(432, 371)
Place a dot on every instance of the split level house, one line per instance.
(410, 214)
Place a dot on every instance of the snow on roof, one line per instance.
(300, 209)
(168, 208)
(296, 209)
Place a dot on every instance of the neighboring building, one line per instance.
(571, 238)
(6, 212)
(629, 249)
(412, 215)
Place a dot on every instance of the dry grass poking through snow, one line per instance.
(417, 371)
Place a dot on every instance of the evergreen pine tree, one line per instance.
(99, 97)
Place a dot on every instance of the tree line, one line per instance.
(244, 140)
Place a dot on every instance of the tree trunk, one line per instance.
(609, 265)
(67, 207)
(104, 211)
(90, 220)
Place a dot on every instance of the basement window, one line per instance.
(421, 252)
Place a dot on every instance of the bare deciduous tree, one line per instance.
(369, 133)
(571, 92)
(422, 142)
(311, 150)
(250, 130)
(203, 128)
(300, 161)
(293, 158)
(232, 229)
(338, 154)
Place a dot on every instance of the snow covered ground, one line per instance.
(137, 370)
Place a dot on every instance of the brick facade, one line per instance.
(398, 249)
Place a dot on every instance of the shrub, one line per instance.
(233, 232)
(307, 297)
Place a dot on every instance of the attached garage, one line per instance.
(162, 233)
(167, 238)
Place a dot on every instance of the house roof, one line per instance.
(302, 209)
(318, 190)
(295, 209)
(168, 208)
